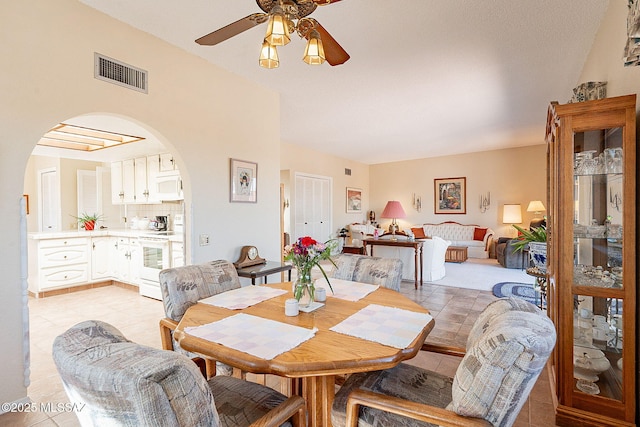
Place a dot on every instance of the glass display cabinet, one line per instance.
(592, 260)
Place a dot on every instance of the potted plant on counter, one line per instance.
(536, 240)
(88, 221)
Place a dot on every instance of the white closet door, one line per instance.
(312, 207)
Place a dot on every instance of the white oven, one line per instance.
(155, 254)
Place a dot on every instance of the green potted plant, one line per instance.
(536, 240)
(88, 221)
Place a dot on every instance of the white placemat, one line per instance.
(254, 335)
(390, 326)
(237, 299)
(346, 289)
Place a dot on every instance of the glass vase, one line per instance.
(303, 289)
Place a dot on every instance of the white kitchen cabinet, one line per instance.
(141, 188)
(117, 190)
(58, 263)
(129, 181)
(177, 254)
(153, 168)
(122, 182)
(102, 262)
(135, 261)
(134, 181)
(167, 163)
(126, 254)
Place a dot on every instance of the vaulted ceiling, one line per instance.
(426, 77)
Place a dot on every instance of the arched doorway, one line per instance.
(121, 305)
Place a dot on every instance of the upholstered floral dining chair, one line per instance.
(385, 272)
(507, 348)
(182, 287)
(116, 382)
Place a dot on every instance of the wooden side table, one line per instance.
(358, 250)
(263, 270)
(456, 254)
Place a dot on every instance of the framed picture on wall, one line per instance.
(450, 195)
(354, 200)
(243, 181)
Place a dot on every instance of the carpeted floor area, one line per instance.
(480, 274)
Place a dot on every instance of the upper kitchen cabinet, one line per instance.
(167, 163)
(133, 181)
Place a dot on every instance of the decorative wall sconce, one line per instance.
(485, 202)
(417, 202)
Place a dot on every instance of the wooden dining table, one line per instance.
(315, 363)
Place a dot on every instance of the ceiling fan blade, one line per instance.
(325, 2)
(232, 29)
(333, 52)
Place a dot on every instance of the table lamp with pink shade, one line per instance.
(393, 211)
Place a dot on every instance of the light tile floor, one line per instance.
(137, 317)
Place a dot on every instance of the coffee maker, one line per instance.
(158, 224)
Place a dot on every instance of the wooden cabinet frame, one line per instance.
(616, 406)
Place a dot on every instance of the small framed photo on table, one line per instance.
(243, 181)
(450, 195)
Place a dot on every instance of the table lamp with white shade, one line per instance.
(512, 214)
(393, 211)
(537, 207)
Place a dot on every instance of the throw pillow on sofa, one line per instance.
(418, 232)
(478, 233)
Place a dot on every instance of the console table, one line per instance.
(415, 244)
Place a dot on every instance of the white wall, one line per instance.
(516, 175)
(604, 62)
(201, 113)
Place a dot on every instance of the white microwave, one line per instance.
(169, 186)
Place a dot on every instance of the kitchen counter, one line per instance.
(106, 232)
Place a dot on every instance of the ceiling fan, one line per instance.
(285, 17)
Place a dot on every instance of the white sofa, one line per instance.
(433, 252)
(477, 239)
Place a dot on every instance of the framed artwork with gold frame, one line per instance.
(450, 195)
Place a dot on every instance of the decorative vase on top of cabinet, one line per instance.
(592, 260)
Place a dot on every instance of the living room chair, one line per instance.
(507, 348)
(181, 288)
(385, 272)
(507, 255)
(122, 383)
(434, 251)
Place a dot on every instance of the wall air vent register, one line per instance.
(116, 72)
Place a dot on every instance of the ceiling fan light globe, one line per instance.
(268, 56)
(314, 51)
(277, 28)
